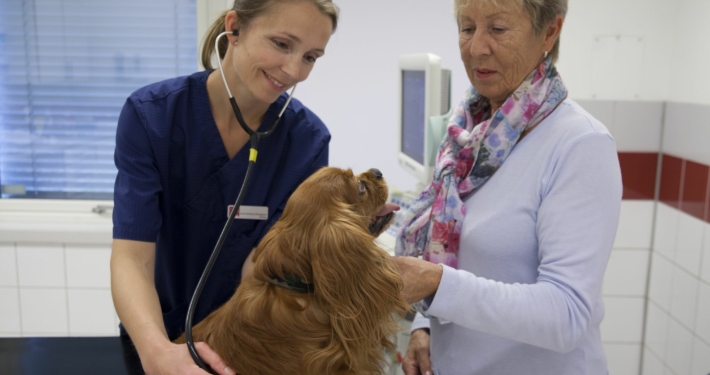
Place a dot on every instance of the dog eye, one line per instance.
(362, 187)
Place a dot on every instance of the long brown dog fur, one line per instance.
(346, 322)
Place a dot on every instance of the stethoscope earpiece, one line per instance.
(235, 32)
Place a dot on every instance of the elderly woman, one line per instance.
(517, 227)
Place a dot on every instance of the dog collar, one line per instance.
(292, 283)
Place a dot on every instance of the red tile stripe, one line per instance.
(638, 174)
(671, 178)
(695, 189)
(684, 184)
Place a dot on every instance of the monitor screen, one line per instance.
(413, 122)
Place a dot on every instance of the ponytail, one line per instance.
(208, 43)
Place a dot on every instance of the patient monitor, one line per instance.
(424, 109)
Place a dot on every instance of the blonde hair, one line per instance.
(541, 12)
(247, 11)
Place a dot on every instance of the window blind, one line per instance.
(66, 69)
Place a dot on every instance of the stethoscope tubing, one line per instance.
(208, 269)
(254, 138)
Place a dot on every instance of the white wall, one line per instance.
(618, 49)
(353, 89)
(674, 50)
(207, 12)
(354, 86)
(690, 77)
(651, 50)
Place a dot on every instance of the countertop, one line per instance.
(68, 355)
(56, 221)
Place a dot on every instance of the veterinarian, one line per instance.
(518, 225)
(182, 157)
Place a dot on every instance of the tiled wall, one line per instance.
(678, 314)
(678, 317)
(55, 290)
(624, 288)
(666, 242)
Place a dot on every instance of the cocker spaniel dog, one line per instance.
(322, 297)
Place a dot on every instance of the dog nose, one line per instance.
(376, 172)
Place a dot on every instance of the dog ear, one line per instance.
(358, 287)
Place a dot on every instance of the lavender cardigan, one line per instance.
(535, 243)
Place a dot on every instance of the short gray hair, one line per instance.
(541, 12)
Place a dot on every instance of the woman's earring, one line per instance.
(545, 56)
(235, 43)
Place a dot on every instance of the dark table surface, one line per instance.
(68, 355)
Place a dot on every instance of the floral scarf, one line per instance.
(474, 148)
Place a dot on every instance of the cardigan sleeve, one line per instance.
(575, 226)
(420, 321)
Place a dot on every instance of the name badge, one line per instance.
(249, 212)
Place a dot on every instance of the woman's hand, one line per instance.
(176, 359)
(138, 306)
(421, 278)
(417, 361)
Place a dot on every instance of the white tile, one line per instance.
(656, 330)
(602, 110)
(88, 267)
(666, 230)
(651, 364)
(41, 266)
(701, 358)
(702, 317)
(686, 131)
(8, 265)
(9, 310)
(623, 321)
(674, 141)
(91, 312)
(626, 273)
(679, 348)
(637, 126)
(623, 358)
(661, 281)
(684, 297)
(44, 311)
(689, 243)
(635, 225)
(705, 274)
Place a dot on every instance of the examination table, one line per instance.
(68, 355)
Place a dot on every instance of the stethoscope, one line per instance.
(254, 138)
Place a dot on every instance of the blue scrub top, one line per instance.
(175, 181)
